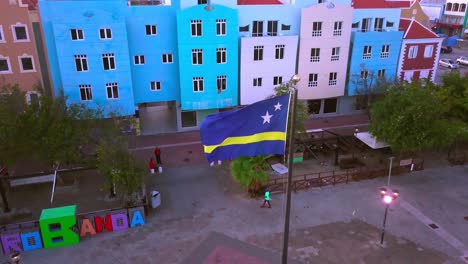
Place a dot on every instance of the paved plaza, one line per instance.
(340, 224)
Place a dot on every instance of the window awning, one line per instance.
(371, 141)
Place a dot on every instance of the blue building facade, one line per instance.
(375, 48)
(208, 57)
(88, 53)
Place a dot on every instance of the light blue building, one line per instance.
(208, 48)
(88, 53)
(375, 48)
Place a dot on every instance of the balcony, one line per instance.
(149, 2)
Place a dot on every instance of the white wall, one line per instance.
(266, 68)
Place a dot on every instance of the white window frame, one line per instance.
(110, 57)
(198, 84)
(335, 54)
(13, 31)
(385, 52)
(222, 53)
(88, 92)
(337, 28)
(221, 83)
(428, 51)
(155, 86)
(277, 80)
(367, 52)
(28, 96)
(20, 62)
(199, 56)
(313, 82)
(153, 30)
(167, 58)
(376, 20)
(332, 78)
(381, 74)
(8, 63)
(317, 28)
(364, 74)
(279, 52)
(111, 86)
(273, 31)
(220, 27)
(79, 34)
(257, 82)
(315, 56)
(194, 30)
(139, 60)
(412, 52)
(107, 32)
(366, 27)
(257, 24)
(2, 34)
(83, 62)
(258, 53)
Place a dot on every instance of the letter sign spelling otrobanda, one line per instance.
(55, 228)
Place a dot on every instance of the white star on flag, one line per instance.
(266, 118)
(278, 106)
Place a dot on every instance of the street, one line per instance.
(441, 71)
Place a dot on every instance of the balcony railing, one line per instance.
(314, 58)
(366, 56)
(148, 2)
(384, 55)
(337, 32)
(316, 33)
(332, 82)
(313, 83)
(335, 57)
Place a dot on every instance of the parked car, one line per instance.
(446, 49)
(448, 63)
(462, 60)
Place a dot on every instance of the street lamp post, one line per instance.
(387, 199)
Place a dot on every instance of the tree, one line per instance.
(412, 118)
(454, 94)
(251, 172)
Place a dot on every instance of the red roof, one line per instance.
(259, 2)
(381, 3)
(415, 30)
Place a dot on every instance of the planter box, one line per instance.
(298, 157)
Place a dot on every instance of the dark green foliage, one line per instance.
(250, 172)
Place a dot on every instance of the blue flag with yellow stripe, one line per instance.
(257, 129)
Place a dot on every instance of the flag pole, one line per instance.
(293, 92)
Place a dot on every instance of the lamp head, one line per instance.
(387, 199)
(296, 78)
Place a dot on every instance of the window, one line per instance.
(220, 27)
(105, 33)
(155, 86)
(335, 54)
(355, 25)
(221, 55)
(76, 34)
(389, 24)
(366, 24)
(428, 51)
(367, 52)
(332, 78)
(258, 53)
(2, 35)
(455, 7)
(277, 80)
(329, 105)
(413, 52)
(197, 84)
(316, 29)
(244, 29)
(201, 2)
(313, 79)
(448, 7)
(139, 59)
(112, 90)
(151, 30)
(85, 92)
(285, 27)
(197, 56)
(257, 82)
(221, 83)
(321, 1)
(26, 63)
(381, 74)
(5, 66)
(272, 28)
(378, 24)
(108, 61)
(337, 28)
(315, 54)
(462, 7)
(167, 58)
(279, 52)
(257, 30)
(196, 28)
(81, 63)
(364, 74)
(385, 51)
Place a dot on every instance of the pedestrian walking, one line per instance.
(157, 153)
(151, 165)
(267, 199)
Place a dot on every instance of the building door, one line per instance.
(416, 75)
